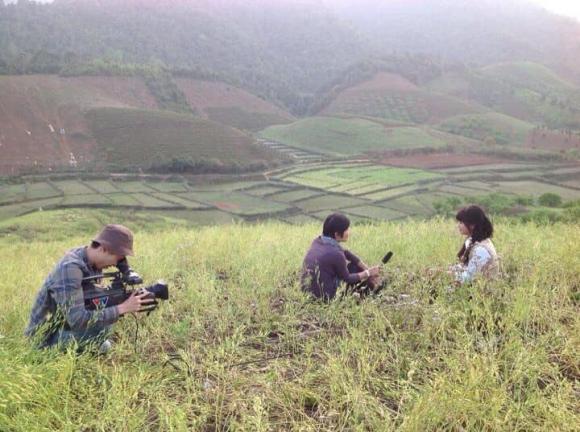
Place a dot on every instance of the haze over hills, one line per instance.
(494, 70)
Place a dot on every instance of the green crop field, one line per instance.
(40, 190)
(133, 186)
(124, 199)
(503, 129)
(261, 191)
(375, 212)
(329, 202)
(151, 201)
(236, 202)
(85, 200)
(294, 195)
(409, 205)
(179, 201)
(408, 104)
(168, 186)
(72, 187)
(242, 119)
(535, 188)
(349, 136)
(227, 186)
(130, 137)
(365, 179)
(11, 193)
(102, 186)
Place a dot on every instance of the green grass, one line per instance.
(261, 191)
(150, 201)
(84, 200)
(72, 187)
(11, 193)
(133, 186)
(243, 119)
(502, 128)
(180, 201)
(414, 105)
(524, 90)
(294, 195)
(249, 353)
(375, 212)
(236, 202)
(102, 186)
(349, 136)
(535, 188)
(14, 210)
(226, 187)
(168, 186)
(124, 199)
(361, 180)
(409, 205)
(129, 137)
(40, 190)
(329, 202)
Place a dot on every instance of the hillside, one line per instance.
(44, 124)
(230, 105)
(42, 117)
(391, 96)
(285, 51)
(351, 135)
(524, 90)
(167, 141)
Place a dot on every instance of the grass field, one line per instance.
(502, 128)
(349, 136)
(360, 180)
(238, 347)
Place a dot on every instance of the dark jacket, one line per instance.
(325, 265)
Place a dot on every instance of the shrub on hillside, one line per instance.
(550, 199)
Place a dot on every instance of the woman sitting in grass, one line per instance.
(477, 256)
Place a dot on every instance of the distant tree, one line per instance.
(550, 199)
(489, 141)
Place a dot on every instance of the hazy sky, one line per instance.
(563, 7)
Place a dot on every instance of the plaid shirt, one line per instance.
(60, 301)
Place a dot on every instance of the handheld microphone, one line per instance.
(387, 257)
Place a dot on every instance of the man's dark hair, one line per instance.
(335, 223)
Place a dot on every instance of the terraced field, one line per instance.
(362, 190)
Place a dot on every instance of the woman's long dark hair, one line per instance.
(473, 216)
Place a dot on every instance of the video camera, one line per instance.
(117, 292)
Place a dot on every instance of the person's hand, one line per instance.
(137, 301)
(374, 271)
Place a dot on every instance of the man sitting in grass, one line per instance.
(59, 315)
(326, 264)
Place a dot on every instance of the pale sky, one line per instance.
(569, 8)
(562, 7)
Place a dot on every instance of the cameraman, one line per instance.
(59, 315)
